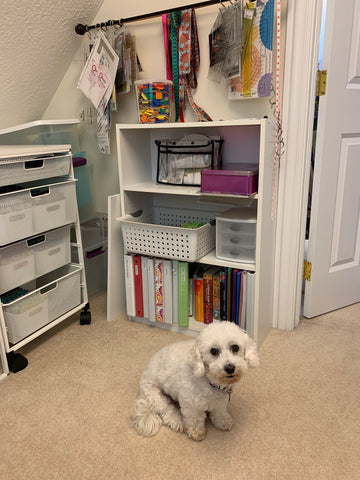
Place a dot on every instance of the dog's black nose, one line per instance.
(229, 368)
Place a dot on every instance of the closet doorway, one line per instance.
(333, 235)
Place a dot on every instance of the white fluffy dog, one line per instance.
(186, 381)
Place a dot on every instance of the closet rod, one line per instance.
(82, 29)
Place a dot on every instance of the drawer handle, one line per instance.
(235, 228)
(36, 240)
(235, 240)
(37, 192)
(33, 164)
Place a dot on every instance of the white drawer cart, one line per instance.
(245, 141)
(40, 286)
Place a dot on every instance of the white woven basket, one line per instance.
(158, 233)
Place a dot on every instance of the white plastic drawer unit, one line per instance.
(49, 297)
(26, 168)
(28, 209)
(236, 235)
(24, 261)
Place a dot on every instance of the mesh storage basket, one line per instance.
(158, 232)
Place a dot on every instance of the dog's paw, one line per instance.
(225, 422)
(196, 435)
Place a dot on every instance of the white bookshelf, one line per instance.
(245, 141)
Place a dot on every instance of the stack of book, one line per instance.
(186, 294)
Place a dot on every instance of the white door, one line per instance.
(334, 237)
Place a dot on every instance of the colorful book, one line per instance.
(145, 288)
(129, 285)
(216, 295)
(222, 296)
(234, 297)
(167, 291)
(228, 277)
(175, 289)
(242, 308)
(208, 293)
(159, 297)
(183, 291)
(250, 299)
(139, 307)
(199, 298)
(151, 288)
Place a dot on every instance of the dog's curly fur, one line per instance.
(186, 381)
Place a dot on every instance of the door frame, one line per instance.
(298, 102)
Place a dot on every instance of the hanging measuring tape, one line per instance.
(278, 144)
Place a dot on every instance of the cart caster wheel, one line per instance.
(16, 362)
(85, 318)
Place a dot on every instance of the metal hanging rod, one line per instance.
(82, 29)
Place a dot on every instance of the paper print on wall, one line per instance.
(255, 79)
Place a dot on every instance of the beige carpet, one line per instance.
(297, 416)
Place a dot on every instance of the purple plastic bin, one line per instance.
(233, 178)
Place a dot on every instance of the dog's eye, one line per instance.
(235, 348)
(214, 351)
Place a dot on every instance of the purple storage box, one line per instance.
(234, 178)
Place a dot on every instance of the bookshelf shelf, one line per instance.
(245, 140)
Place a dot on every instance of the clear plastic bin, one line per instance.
(236, 235)
(43, 132)
(153, 100)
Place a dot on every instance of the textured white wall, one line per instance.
(37, 45)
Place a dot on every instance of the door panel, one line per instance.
(335, 212)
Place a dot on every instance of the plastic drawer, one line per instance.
(17, 266)
(236, 253)
(28, 211)
(53, 251)
(236, 235)
(29, 168)
(24, 261)
(53, 295)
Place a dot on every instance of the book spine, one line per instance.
(151, 288)
(216, 296)
(129, 285)
(139, 307)
(199, 300)
(167, 289)
(175, 282)
(208, 298)
(145, 288)
(159, 297)
(183, 289)
(222, 296)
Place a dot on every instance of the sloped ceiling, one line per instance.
(38, 42)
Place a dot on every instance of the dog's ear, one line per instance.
(196, 361)
(251, 354)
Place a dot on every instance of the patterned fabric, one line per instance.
(183, 59)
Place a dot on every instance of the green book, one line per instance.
(183, 289)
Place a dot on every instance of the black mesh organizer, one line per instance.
(180, 161)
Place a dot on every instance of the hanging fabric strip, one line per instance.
(166, 45)
(175, 20)
(202, 116)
